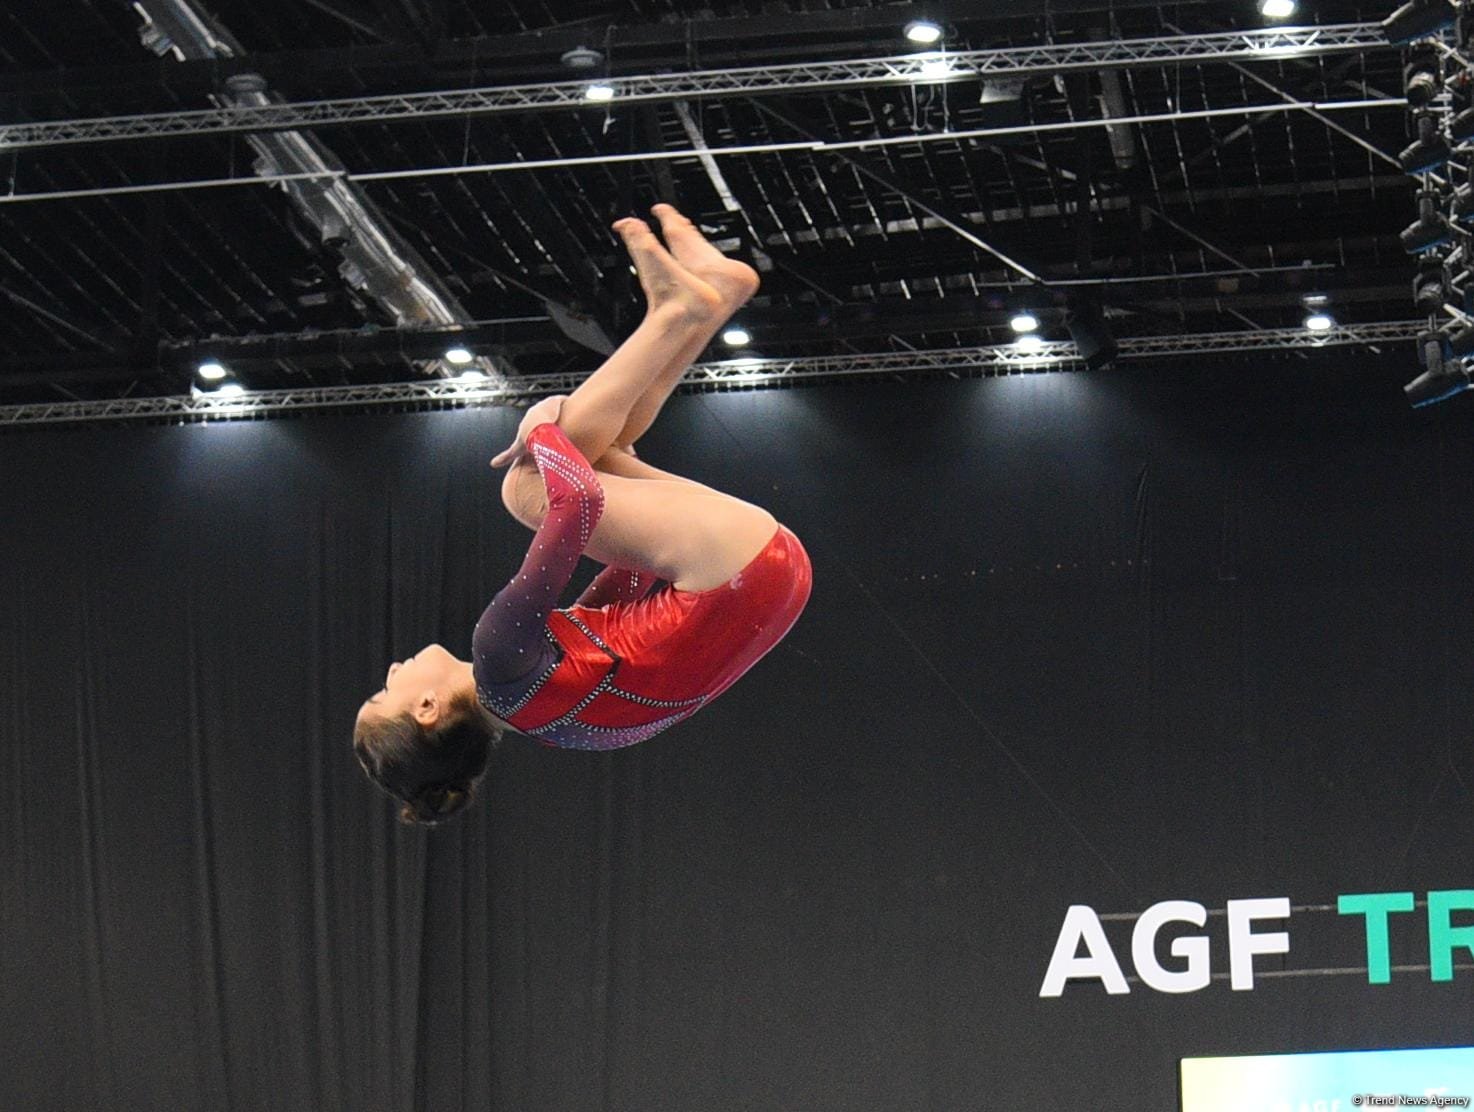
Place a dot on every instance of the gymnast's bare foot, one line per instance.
(670, 288)
(732, 278)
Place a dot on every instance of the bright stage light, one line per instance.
(1276, 9)
(211, 371)
(1024, 322)
(473, 375)
(230, 390)
(736, 337)
(1028, 344)
(923, 31)
(1319, 322)
(599, 93)
(458, 356)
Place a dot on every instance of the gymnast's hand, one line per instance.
(540, 414)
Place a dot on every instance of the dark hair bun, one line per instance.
(436, 803)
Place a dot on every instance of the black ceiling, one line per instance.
(1221, 223)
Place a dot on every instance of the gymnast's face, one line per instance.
(419, 686)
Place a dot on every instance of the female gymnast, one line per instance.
(622, 663)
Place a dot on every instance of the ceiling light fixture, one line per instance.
(458, 356)
(599, 93)
(1430, 229)
(1417, 19)
(1276, 9)
(923, 31)
(1319, 322)
(1092, 336)
(736, 337)
(211, 370)
(1024, 322)
(1441, 379)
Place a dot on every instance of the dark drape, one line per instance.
(1196, 632)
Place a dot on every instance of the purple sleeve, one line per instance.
(509, 641)
(616, 585)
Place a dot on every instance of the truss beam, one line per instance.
(1261, 45)
(525, 54)
(733, 374)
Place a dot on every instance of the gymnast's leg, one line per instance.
(682, 314)
(734, 281)
(688, 534)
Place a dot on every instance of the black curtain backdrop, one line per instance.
(1192, 632)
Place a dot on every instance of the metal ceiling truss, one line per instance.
(1270, 44)
(733, 374)
(812, 146)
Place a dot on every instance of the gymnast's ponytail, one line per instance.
(436, 804)
(434, 773)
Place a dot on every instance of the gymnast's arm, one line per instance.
(509, 641)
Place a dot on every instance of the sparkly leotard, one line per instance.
(622, 663)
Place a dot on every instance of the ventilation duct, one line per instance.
(374, 259)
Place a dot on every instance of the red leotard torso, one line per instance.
(620, 665)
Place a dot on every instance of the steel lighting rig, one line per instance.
(730, 374)
(1439, 82)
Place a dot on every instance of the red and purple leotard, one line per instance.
(620, 664)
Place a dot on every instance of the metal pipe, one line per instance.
(816, 146)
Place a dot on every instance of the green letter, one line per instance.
(1443, 936)
(1376, 907)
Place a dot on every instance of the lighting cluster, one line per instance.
(1438, 80)
(217, 377)
(219, 383)
(1084, 318)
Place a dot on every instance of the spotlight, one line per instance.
(1319, 322)
(1429, 151)
(1430, 287)
(1421, 78)
(230, 390)
(582, 58)
(1001, 100)
(1430, 228)
(736, 337)
(997, 90)
(458, 356)
(599, 93)
(473, 375)
(1460, 345)
(1086, 322)
(1276, 9)
(1417, 19)
(923, 31)
(1028, 343)
(1440, 380)
(1024, 322)
(211, 371)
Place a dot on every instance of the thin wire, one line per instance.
(814, 145)
(988, 731)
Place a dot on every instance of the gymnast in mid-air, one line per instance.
(623, 662)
